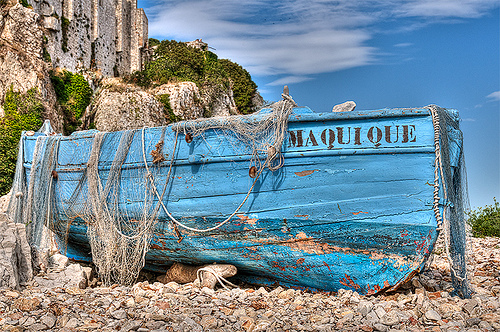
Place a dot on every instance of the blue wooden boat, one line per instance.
(357, 204)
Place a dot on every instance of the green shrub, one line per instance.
(243, 86)
(64, 29)
(73, 94)
(485, 221)
(25, 3)
(153, 42)
(176, 62)
(164, 99)
(22, 112)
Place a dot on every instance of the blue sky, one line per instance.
(395, 53)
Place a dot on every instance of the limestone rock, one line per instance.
(4, 203)
(185, 99)
(51, 23)
(123, 106)
(220, 103)
(74, 276)
(21, 64)
(20, 27)
(344, 107)
(15, 254)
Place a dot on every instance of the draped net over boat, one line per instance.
(127, 192)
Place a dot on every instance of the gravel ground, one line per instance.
(424, 304)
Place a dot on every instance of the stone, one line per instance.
(26, 304)
(364, 307)
(27, 321)
(261, 325)
(190, 325)
(470, 305)
(380, 327)
(49, 320)
(15, 254)
(73, 277)
(51, 23)
(208, 322)
(185, 99)
(5, 199)
(21, 63)
(131, 325)
(380, 312)
(124, 106)
(58, 261)
(119, 314)
(390, 319)
(183, 273)
(472, 321)
(431, 314)
(483, 325)
(72, 323)
(347, 106)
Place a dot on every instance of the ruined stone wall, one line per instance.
(106, 35)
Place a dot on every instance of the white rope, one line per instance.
(438, 170)
(160, 198)
(273, 151)
(219, 278)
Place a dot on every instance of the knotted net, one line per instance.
(119, 242)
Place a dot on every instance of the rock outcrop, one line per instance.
(121, 106)
(220, 104)
(348, 106)
(21, 59)
(15, 254)
(185, 99)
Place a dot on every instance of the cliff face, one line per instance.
(99, 38)
(120, 106)
(110, 36)
(21, 59)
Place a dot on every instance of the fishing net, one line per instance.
(450, 193)
(32, 204)
(118, 241)
(263, 136)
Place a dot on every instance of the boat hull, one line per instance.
(352, 207)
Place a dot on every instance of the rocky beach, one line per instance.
(67, 298)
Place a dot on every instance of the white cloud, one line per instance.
(494, 95)
(298, 38)
(290, 80)
(446, 8)
(403, 45)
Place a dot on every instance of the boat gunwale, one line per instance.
(294, 117)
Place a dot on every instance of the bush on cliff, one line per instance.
(243, 86)
(485, 221)
(73, 94)
(174, 61)
(22, 112)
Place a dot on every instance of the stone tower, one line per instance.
(110, 36)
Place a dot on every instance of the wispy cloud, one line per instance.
(296, 39)
(494, 95)
(402, 45)
(446, 8)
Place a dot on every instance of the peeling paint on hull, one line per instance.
(351, 208)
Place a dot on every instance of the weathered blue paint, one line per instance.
(351, 208)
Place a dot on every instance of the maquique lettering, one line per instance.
(341, 136)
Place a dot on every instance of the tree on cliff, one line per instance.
(174, 61)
